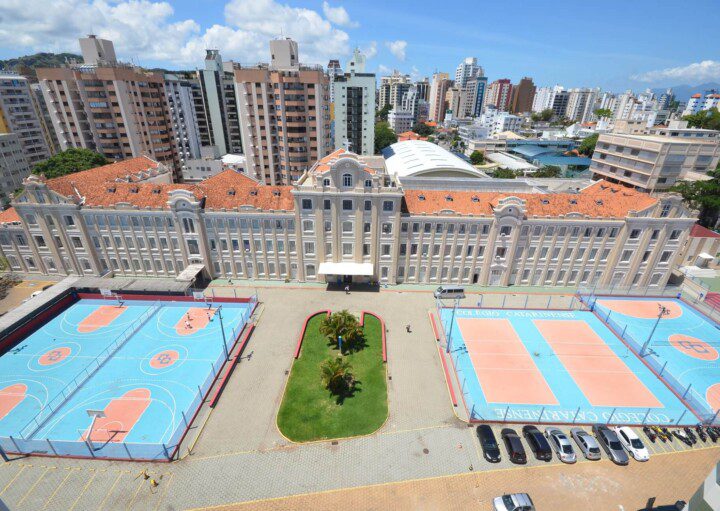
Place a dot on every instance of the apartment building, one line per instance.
(115, 109)
(657, 161)
(698, 102)
(354, 107)
(581, 104)
(216, 105)
(180, 92)
(499, 94)
(438, 90)
(344, 219)
(392, 89)
(284, 115)
(13, 166)
(523, 95)
(19, 115)
(467, 70)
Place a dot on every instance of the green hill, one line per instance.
(27, 64)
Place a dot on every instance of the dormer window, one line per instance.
(326, 182)
(253, 192)
(599, 202)
(573, 201)
(368, 183)
(421, 197)
(276, 193)
(231, 191)
(545, 201)
(156, 191)
(448, 198)
(111, 189)
(134, 189)
(347, 180)
(475, 198)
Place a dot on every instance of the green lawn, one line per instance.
(310, 412)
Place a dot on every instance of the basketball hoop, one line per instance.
(95, 414)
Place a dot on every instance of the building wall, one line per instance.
(21, 117)
(13, 166)
(181, 108)
(355, 112)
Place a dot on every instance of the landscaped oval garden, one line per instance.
(334, 395)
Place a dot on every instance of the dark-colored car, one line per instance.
(537, 442)
(489, 445)
(610, 443)
(514, 446)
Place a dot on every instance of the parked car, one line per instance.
(561, 445)
(587, 443)
(489, 445)
(538, 445)
(632, 443)
(610, 443)
(513, 502)
(33, 295)
(514, 446)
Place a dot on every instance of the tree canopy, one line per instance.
(703, 196)
(587, 146)
(504, 174)
(477, 157)
(603, 112)
(548, 171)
(384, 136)
(545, 115)
(706, 119)
(423, 129)
(69, 162)
(382, 114)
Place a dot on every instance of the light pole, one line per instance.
(662, 311)
(452, 321)
(222, 329)
(95, 414)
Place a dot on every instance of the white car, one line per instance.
(632, 443)
(561, 445)
(35, 293)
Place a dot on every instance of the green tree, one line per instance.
(501, 173)
(545, 115)
(345, 325)
(384, 136)
(382, 114)
(69, 162)
(477, 157)
(548, 171)
(423, 129)
(602, 112)
(706, 119)
(587, 146)
(336, 375)
(703, 196)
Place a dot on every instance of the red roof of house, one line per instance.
(698, 231)
(410, 135)
(126, 170)
(9, 216)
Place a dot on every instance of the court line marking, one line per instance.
(87, 485)
(102, 503)
(48, 469)
(52, 496)
(13, 479)
(476, 473)
(164, 493)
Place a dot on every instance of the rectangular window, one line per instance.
(387, 205)
(347, 205)
(634, 234)
(368, 205)
(347, 249)
(309, 248)
(327, 204)
(307, 204)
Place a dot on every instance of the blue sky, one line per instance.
(611, 44)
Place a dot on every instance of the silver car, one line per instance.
(611, 444)
(561, 445)
(587, 443)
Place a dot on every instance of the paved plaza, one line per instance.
(236, 454)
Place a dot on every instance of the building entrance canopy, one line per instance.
(363, 269)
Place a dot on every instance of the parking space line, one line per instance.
(110, 491)
(129, 506)
(13, 479)
(165, 490)
(87, 485)
(70, 472)
(48, 469)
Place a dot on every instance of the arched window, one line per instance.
(347, 179)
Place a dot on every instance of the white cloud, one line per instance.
(397, 48)
(147, 30)
(384, 70)
(370, 51)
(415, 74)
(696, 72)
(338, 15)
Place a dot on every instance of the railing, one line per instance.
(37, 422)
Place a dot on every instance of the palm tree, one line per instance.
(341, 324)
(336, 375)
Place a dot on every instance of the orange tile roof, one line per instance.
(696, 95)
(410, 135)
(432, 124)
(600, 200)
(9, 216)
(100, 175)
(698, 231)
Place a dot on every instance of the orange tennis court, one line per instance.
(555, 367)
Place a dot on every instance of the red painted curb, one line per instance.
(302, 332)
(448, 381)
(434, 327)
(231, 367)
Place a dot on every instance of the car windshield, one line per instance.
(567, 449)
(615, 445)
(636, 443)
(594, 450)
(489, 443)
(507, 500)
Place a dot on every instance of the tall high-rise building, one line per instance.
(543, 99)
(581, 104)
(467, 70)
(522, 96)
(284, 114)
(423, 89)
(219, 125)
(665, 99)
(559, 103)
(13, 166)
(355, 107)
(333, 70)
(452, 100)
(473, 96)
(392, 89)
(18, 115)
(499, 94)
(45, 120)
(179, 96)
(440, 84)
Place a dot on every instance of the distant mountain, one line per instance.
(27, 64)
(684, 92)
